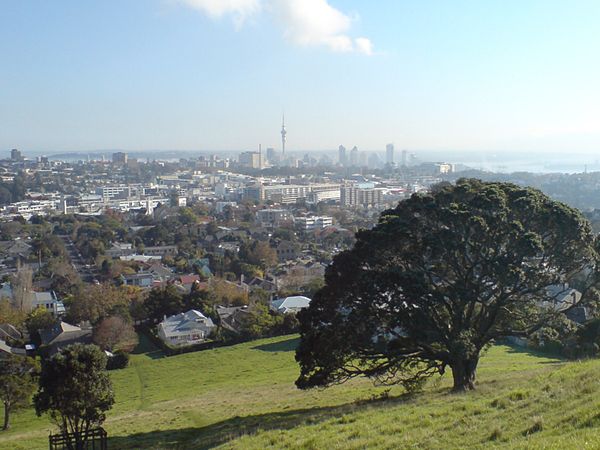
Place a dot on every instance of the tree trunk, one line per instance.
(463, 373)
(6, 416)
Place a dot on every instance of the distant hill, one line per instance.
(243, 397)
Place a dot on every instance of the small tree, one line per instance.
(93, 302)
(22, 286)
(17, 383)
(39, 319)
(164, 302)
(115, 333)
(75, 390)
(10, 314)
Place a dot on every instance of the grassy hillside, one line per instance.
(244, 397)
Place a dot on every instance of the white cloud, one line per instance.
(364, 45)
(305, 22)
(239, 9)
(314, 22)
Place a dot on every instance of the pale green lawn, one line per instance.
(244, 397)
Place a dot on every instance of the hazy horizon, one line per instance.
(510, 161)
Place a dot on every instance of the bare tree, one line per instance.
(115, 333)
(22, 288)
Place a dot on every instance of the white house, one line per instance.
(187, 328)
(561, 297)
(291, 304)
(48, 301)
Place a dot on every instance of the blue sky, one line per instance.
(469, 75)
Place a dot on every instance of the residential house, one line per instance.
(163, 250)
(286, 251)
(160, 272)
(46, 300)
(188, 280)
(140, 258)
(225, 247)
(141, 279)
(6, 350)
(119, 249)
(184, 329)
(9, 332)
(561, 297)
(13, 252)
(261, 283)
(63, 334)
(291, 304)
(19, 248)
(203, 266)
(274, 217)
(299, 273)
(233, 318)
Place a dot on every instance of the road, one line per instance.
(86, 271)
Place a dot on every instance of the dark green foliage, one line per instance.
(39, 319)
(439, 278)
(119, 360)
(585, 342)
(558, 336)
(17, 383)
(164, 302)
(260, 322)
(75, 390)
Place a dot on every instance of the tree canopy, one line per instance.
(440, 277)
(17, 383)
(75, 390)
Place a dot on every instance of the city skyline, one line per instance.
(200, 75)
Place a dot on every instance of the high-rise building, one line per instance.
(15, 155)
(272, 157)
(261, 157)
(404, 157)
(374, 161)
(342, 159)
(119, 158)
(361, 195)
(362, 159)
(389, 154)
(354, 156)
(283, 136)
(250, 159)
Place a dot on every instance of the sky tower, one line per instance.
(283, 134)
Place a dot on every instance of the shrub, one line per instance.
(119, 360)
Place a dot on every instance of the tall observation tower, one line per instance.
(283, 136)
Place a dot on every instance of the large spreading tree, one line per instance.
(438, 279)
(75, 389)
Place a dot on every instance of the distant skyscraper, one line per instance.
(272, 156)
(389, 154)
(404, 156)
(15, 155)
(342, 155)
(374, 161)
(283, 136)
(250, 160)
(119, 158)
(362, 159)
(354, 156)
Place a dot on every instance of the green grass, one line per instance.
(244, 397)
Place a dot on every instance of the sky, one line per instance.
(211, 75)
